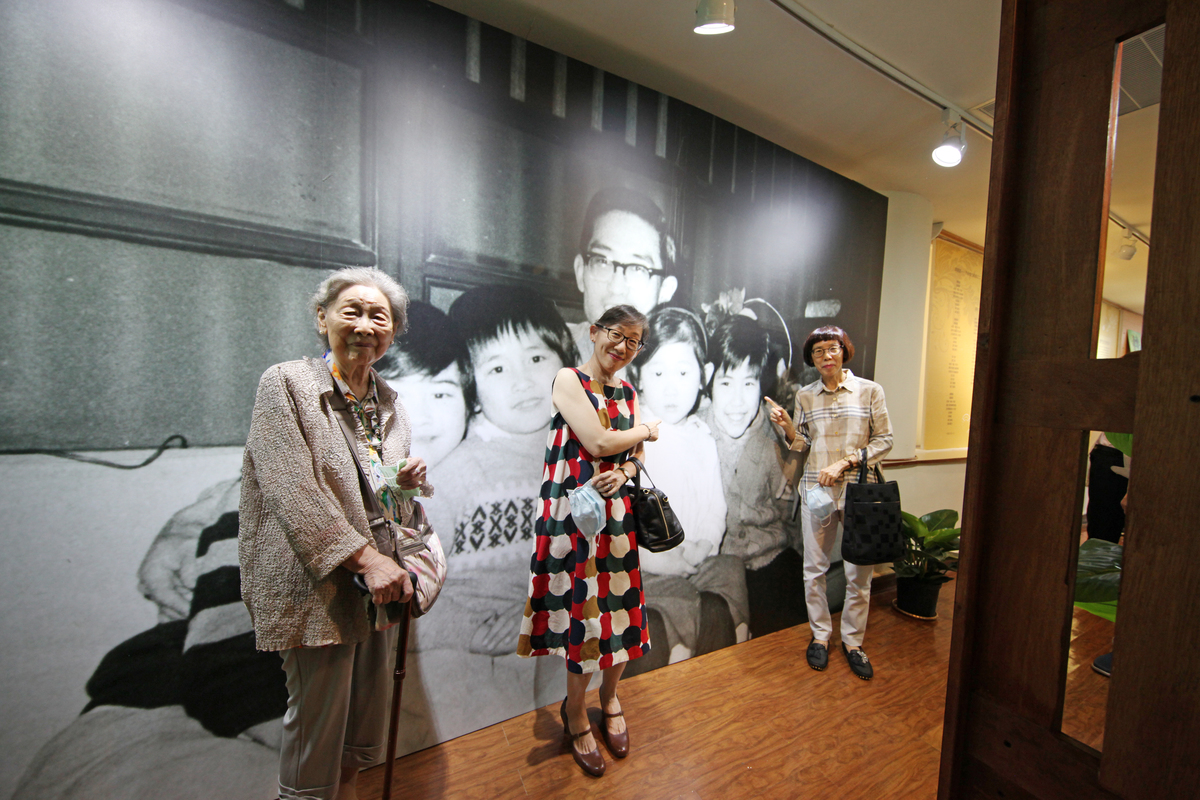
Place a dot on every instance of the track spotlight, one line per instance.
(714, 16)
(950, 152)
(1129, 249)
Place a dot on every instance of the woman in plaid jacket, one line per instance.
(837, 418)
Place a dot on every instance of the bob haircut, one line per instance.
(340, 280)
(670, 325)
(623, 315)
(428, 346)
(740, 338)
(828, 333)
(484, 314)
(618, 198)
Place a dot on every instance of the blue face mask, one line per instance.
(587, 509)
(820, 504)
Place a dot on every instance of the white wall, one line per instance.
(902, 314)
(924, 487)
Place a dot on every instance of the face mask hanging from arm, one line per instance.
(587, 509)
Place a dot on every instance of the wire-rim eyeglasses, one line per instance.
(616, 336)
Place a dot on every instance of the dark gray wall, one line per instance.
(324, 137)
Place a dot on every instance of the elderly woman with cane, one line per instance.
(305, 533)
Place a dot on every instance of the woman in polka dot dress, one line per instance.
(585, 598)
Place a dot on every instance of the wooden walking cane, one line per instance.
(397, 687)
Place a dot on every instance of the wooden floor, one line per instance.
(1087, 692)
(749, 721)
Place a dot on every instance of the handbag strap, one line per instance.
(862, 468)
(376, 518)
(637, 476)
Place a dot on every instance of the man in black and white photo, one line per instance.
(626, 256)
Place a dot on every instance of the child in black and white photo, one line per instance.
(424, 366)
(515, 343)
(699, 594)
(746, 367)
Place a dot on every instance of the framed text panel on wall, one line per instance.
(954, 287)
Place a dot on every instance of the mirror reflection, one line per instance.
(1122, 272)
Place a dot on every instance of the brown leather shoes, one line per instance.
(592, 763)
(618, 743)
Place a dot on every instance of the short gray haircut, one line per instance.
(340, 280)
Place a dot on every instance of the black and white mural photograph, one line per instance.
(176, 179)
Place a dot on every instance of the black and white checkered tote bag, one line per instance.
(872, 529)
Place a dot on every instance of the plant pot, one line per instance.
(917, 598)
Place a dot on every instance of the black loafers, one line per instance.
(859, 664)
(817, 655)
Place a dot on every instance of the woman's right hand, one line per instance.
(653, 428)
(782, 419)
(385, 579)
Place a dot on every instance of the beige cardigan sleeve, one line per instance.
(285, 468)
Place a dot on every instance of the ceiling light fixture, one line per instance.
(1128, 250)
(714, 16)
(950, 152)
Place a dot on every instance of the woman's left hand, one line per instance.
(412, 475)
(608, 483)
(833, 473)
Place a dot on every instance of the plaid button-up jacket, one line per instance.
(832, 425)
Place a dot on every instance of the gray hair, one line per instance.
(340, 280)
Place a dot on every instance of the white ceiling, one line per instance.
(776, 77)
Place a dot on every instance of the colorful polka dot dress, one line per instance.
(585, 600)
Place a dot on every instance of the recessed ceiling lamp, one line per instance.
(714, 16)
(1129, 249)
(950, 152)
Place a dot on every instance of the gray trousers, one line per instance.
(337, 715)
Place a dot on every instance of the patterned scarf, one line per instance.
(366, 411)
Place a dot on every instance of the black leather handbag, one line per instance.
(872, 528)
(657, 527)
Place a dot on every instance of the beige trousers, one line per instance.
(338, 706)
(819, 541)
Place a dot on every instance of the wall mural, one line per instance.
(516, 193)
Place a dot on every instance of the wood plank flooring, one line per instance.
(1086, 696)
(749, 721)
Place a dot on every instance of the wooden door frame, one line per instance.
(1038, 390)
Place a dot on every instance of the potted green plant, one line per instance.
(931, 552)
(1098, 577)
(1098, 569)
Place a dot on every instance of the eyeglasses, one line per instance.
(616, 336)
(630, 271)
(832, 350)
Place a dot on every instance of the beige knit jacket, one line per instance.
(301, 512)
